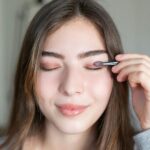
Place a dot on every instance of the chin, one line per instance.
(74, 128)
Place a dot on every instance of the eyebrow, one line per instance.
(80, 56)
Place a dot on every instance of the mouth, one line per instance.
(71, 110)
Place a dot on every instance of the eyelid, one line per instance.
(91, 66)
(54, 66)
(49, 66)
(47, 63)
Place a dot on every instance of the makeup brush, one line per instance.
(100, 63)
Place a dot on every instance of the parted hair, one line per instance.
(113, 129)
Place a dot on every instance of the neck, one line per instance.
(56, 139)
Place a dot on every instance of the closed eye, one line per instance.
(94, 67)
(51, 67)
(48, 69)
(98, 68)
(55, 67)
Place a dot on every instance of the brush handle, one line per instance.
(112, 63)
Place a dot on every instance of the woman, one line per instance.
(65, 97)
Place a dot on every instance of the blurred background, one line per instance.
(131, 17)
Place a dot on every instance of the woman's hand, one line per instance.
(136, 69)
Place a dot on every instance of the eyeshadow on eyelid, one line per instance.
(48, 64)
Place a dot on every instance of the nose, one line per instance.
(72, 83)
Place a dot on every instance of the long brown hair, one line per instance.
(114, 130)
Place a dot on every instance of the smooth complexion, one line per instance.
(72, 82)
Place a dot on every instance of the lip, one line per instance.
(71, 109)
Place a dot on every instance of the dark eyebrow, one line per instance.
(80, 56)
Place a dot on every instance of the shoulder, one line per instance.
(2, 139)
(142, 140)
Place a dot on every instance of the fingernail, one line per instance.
(118, 78)
(114, 69)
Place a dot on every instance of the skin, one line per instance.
(71, 82)
(136, 69)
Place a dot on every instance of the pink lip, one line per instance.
(71, 109)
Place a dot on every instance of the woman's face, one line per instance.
(71, 95)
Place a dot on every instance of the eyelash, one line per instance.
(93, 69)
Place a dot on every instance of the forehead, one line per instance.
(74, 37)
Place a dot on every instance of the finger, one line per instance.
(136, 78)
(124, 73)
(129, 56)
(125, 63)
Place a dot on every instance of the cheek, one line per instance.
(46, 85)
(99, 86)
(99, 90)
